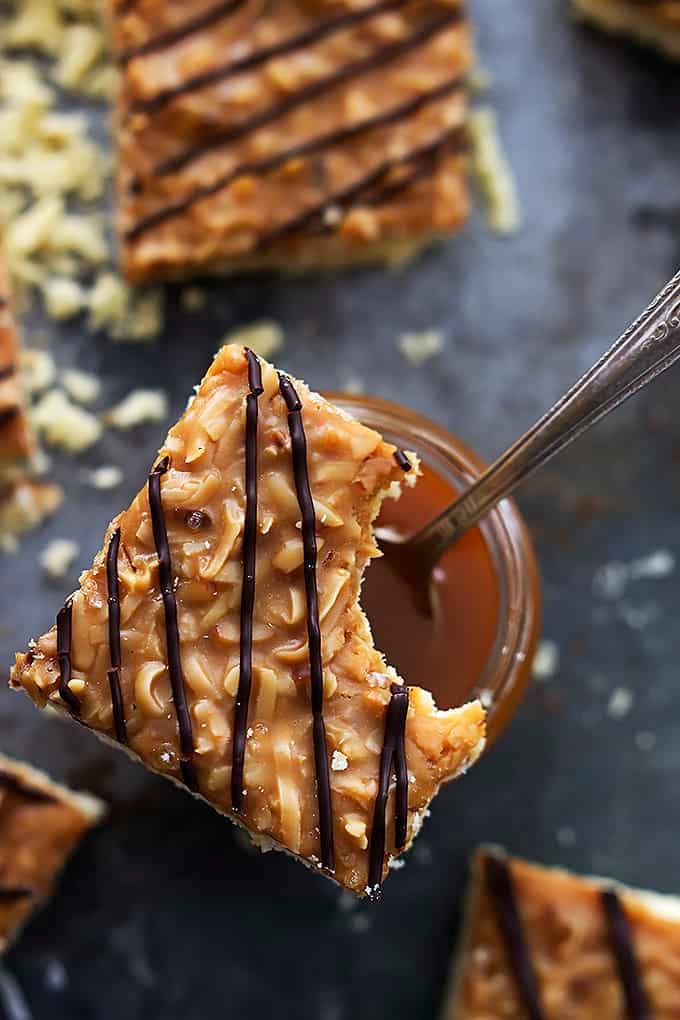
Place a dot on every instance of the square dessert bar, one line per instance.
(16, 442)
(651, 22)
(297, 135)
(218, 635)
(544, 944)
(41, 823)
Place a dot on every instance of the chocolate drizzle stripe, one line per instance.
(117, 705)
(64, 631)
(174, 35)
(306, 95)
(15, 892)
(620, 936)
(303, 149)
(393, 755)
(7, 372)
(8, 414)
(344, 198)
(402, 460)
(301, 475)
(160, 535)
(13, 784)
(248, 588)
(501, 889)
(302, 40)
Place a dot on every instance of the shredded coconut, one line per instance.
(263, 338)
(82, 386)
(58, 557)
(108, 476)
(63, 423)
(138, 407)
(546, 660)
(339, 761)
(494, 173)
(620, 703)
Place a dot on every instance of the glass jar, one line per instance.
(502, 681)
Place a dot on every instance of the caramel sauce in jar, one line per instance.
(481, 639)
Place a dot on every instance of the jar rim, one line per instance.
(504, 678)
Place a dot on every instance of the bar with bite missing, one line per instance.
(218, 635)
(541, 943)
(296, 135)
(650, 22)
(41, 824)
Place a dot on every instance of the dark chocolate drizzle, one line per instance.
(174, 35)
(15, 892)
(113, 590)
(8, 414)
(392, 759)
(402, 460)
(301, 475)
(7, 372)
(305, 95)
(501, 889)
(13, 784)
(303, 149)
(64, 629)
(302, 40)
(248, 589)
(350, 195)
(620, 936)
(160, 535)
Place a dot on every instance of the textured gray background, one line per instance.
(162, 915)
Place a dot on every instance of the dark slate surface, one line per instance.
(162, 914)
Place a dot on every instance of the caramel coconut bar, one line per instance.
(16, 443)
(41, 823)
(218, 635)
(543, 944)
(650, 22)
(296, 135)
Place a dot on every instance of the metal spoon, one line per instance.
(649, 346)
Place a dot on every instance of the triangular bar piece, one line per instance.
(219, 636)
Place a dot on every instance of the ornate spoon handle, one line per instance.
(648, 347)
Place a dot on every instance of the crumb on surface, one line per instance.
(107, 476)
(62, 423)
(64, 297)
(645, 740)
(494, 174)
(621, 701)
(58, 557)
(138, 407)
(546, 660)
(24, 506)
(38, 370)
(263, 338)
(419, 348)
(193, 299)
(81, 386)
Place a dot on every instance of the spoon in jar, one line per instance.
(648, 347)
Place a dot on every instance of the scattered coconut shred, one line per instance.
(263, 338)
(137, 408)
(419, 348)
(58, 557)
(53, 175)
(494, 173)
